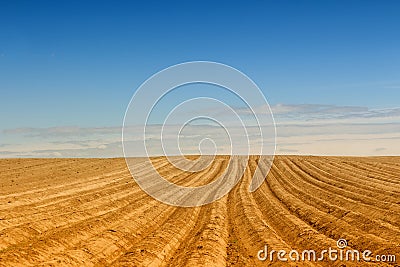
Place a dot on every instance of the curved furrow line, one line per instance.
(186, 182)
(193, 182)
(80, 175)
(187, 244)
(111, 242)
(344, 212)
(206, 244)
(296, 232)
(54, 200)
(103, 246)
(64, 206)
(65, 216)
(370, 175)
(210, 248)
(190, 245)
(355, 196)
(249, 227)
(50, 189)
(86, 210)
(96, 188)
(313, 175)
(105, 219)
(71, 175)
(355, 183)
(42, 179)
(385, 214)
(386, 163)
(391, 199)
(176, 174)
(374, 166)
(28, 234)
(327, 224)
(351, 174)
(162, 243)
(37, 248)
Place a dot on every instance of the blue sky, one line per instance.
(77, 63)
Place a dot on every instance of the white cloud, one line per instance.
(301, 129)
(63, 131)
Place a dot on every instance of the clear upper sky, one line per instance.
(78, 63)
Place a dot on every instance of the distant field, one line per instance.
(91, 212)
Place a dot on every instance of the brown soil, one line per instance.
(90, 212)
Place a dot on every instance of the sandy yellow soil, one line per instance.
(90, 212)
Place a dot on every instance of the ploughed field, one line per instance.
(90, 212)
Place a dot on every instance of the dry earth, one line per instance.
(90, 212)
